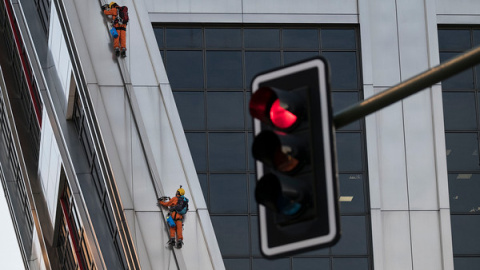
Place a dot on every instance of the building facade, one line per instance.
(89, 141)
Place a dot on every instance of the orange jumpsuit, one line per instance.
(176, 217)
(121, 40)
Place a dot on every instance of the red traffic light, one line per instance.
(275, 107)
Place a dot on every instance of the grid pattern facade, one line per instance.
(461, 102)
(210, 69)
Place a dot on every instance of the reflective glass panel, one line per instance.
(354, 237)
(352, 198)
(185, 69)
(465, 263)
(454, 39)
(338, 38)
(224, 69)
(463, 80)
(349, 151)
(256, 62)
(230, 193)
(459, 110)
(225, 111)
(308, 263)
(237, 264)
(465, 234)
(159, 36)
(197, 142)
(350, 264)
(300, 38)
(231, 232)
(464, 192)
(462, 151)
(292, 57)
(261, 38)
(183, 37)
(191, 107)
(264, 264)
(223, 38)
(343, 100)
(343, 69)
(226, 152)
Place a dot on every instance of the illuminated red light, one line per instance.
(280, 117)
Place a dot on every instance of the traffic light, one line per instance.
(295, 158)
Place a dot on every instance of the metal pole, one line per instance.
(407, 88)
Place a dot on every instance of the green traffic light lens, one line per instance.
(281, 117)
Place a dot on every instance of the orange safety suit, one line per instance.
(121, 41)
(176, 217)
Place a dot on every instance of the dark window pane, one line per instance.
(459, 110)
(343, 69)
(311, 263)
(462, 151)
(454, 39)
(338, 38)
(292, 57)
(227, 152)
(223, 38)
(261, 38)
(255, 237)
(264, 264)
(350, 263)
(184, 37)
(237, 264)
(191, 108)
(225, 110)
(232, 235)
(256, 62)
(198, 148)
(159, 36)
(463, 80)
(252, 181)
(251, 160)
(300, 38)
(349, 151)
(465, 234)
(185, 69)
(343, 100)
(476, 38)
(249, 120)
(229, 193)
(464, 189)
(354, 238)
(224, 69)
(352, 198)
(466, 263)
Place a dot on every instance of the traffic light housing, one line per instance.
(294, 148)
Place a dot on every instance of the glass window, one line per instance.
(183, 37)
(261, 38)
(191, 107)
(350, 263)
(465, 263)
(349, 151)
(343, 69)
(159, 36)
(255, 237)
(252, 182)
(185, 69)
(465, 234)
(308, 263)
(462, 151)
(264, 264)
(224, 69)
(202, 178)
(225, 111)
(237, 264)
(226, 152)
(231, 232)
(454, 39)
(459, 110)
(257, 62)
(229, 193)
(354, 238)
(343, 100)
(338, 39)
(223, 38)
(292, 57)
(464, 189)
(352, 198)
(463, 80)
(197, 142)
(300, 38)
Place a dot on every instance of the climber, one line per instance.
(178, 207)
(119, 20)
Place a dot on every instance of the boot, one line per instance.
(171, 242)
(179, 243)
(124, 53)
(117, 52)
